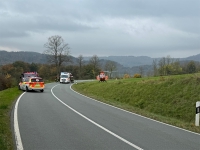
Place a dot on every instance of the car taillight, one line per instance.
(41, 83)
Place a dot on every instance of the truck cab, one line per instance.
(66, 77)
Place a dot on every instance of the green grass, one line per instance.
(169, 99)
(7, 97)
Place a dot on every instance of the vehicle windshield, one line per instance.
(64, 76)
(36, 80)
(30, 75)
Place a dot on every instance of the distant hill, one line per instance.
(128, 61)
(133, 61)
(194, 58)
(125, 64)
(30, 57)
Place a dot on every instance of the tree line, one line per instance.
(170, 66)
(10, 73)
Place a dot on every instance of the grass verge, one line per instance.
(169, 99)
(7, 98)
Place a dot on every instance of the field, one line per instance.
(169, 99)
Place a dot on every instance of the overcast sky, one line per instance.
(154, 28)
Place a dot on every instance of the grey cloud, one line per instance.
(22, 25)
(59, 24)
(145, 7)
(106, 27)
(12, 34)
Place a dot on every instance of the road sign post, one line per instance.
(197, 113)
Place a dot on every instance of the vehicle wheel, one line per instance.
(19, 87)
(27, 89)
(42, 90)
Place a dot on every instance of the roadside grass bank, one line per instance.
(7, 97)
(169, 99)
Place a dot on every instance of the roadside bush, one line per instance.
(5, 82)
(126, 76)
(137, 75)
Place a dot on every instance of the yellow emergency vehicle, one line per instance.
(31, 81)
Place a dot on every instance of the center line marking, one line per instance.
(98, 125)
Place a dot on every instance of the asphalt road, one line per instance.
(60, 119)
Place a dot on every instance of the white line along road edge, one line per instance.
(16, 126)
(136, 114)
(117, 136)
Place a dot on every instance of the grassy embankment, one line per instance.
(169, 99)
(7, 97)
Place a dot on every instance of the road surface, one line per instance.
(59, 119)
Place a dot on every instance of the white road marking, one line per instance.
(18, 140)
(136, 114)
(98, 125)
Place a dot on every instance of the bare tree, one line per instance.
(110, 66)
(162, 66)
(176, 67)
(57, 51)
(141, 70)
(169, 60)
(155, 67)
(94, 61)
(169, 63)
(80, 63)
(191, 67)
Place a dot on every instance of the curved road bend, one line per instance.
(60, 118)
